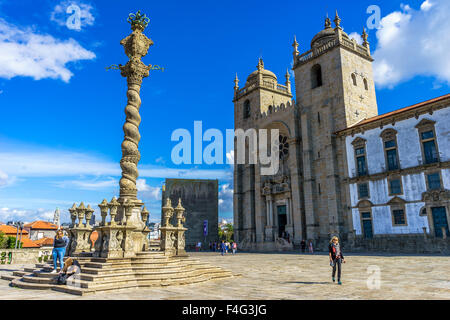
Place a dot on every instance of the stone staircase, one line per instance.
(147, 269)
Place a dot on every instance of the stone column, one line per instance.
(289, 226)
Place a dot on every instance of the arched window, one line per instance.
(270, 109)
(366, 86)
(246, 109)
(316, 76)
(354, 79)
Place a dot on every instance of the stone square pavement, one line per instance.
(290, 276)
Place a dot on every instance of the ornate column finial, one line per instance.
(113, 205)
(337, 20)
(73, 214)
(365, 37)
(327, 22)
(260, 65)
(80, 212)
(236, 83)
(89, 212)
(295, 46)
(288, 82)
(145, 214)
(103, 211)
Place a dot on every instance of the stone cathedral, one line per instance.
(304, 200)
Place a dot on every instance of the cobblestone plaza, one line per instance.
(290, 276)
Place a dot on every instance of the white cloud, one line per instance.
(23, 52)
(5, 180)
(426, 5)
(148, 192)
(24, 215)
(93, 184)
(226, 198)
(413, 43)
(73, 14)
(28, 161)
(356, 36)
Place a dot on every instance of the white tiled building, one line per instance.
(399, 173)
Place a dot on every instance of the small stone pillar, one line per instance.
(180, 232)
(81, 232)
(168, 231)
(424, 233)
(444, 233)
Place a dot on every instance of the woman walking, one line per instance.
(336, 258)
(59, 250)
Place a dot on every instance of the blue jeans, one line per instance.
(58, 254)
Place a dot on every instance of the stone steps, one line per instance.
(8, 277)
(147, 269)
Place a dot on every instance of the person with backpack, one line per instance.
(234, 247)
(71, 268)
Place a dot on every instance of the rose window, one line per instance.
(283, 147)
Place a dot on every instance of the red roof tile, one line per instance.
(395, 112)
(41, 225)
(10, 230)
(44, 242)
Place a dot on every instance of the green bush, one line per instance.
(3, 258)
(40, 259)
(45, 258)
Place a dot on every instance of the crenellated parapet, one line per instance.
(329, 38)
(277, 110)
(262, 79)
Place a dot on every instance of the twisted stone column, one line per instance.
(136, 46)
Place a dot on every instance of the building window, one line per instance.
(389, 137)
(434, 181)
(359, 144)
(391, 154)
(363, 190)
(395, 186)
(361, 161)
(246, 109)
(398, 211)
(427, 136)
(316, 76)
(429, 147)
(366, 86)
(354, 79)
(399, 217)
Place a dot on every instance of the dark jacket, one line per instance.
(59, 243)
(333, 254)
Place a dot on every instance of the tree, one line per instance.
(3, 240)
(229, 231)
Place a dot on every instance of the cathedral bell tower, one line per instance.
(335, 89)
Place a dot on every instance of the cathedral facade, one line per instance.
(309, 197)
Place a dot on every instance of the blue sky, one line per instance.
(62, 112)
